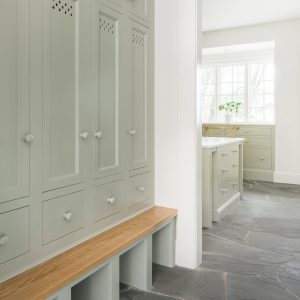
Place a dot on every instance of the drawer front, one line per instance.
(258, 142)
(255, 131)
(255, 158)
(228, 154)
(108, 200)
(62, 216)
(14, 234)
(228, 172)
(140, 188)
(225, 192)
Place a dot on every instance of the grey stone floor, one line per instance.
(252, 254)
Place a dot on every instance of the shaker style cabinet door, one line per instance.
(63, 133)
(15, 136)
(107, 80)
(139, 104)
(141, 9)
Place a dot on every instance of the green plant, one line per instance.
(232, 106)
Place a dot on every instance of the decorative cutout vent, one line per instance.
(138, 39)
(107, 24)
(65, 7)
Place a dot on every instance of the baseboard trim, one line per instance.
(226, 208)
(259, 175)
(285, 177)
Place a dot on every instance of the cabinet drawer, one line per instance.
(108, 200)
(225, 192)
(14, 234)
(228, 154)
(62, 216)
(227, 172)
(255, 158)
(140, 188)
(258, 142)
(255, 131)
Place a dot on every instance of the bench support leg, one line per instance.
(164, 246)
(136, 265)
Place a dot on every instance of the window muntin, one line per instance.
(251, 83)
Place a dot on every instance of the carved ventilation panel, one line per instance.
(65, 7)
(106, 24)
(138, 39)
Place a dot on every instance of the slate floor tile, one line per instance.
(248, 253)
(189, 285)
(271, 241)
(238, 265)
(133, 294)
(256, 288)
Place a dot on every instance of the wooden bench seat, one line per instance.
(47, 278)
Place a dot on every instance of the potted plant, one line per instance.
(229, 108)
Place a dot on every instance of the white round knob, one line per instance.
(98, 134)
(3, 240)
(68, 216)
(111, 200)
(141, 189)
(84, 135)
(28, 138)
(132, 132)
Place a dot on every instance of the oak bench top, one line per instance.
(53, 275)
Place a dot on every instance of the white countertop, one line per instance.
(213, 142)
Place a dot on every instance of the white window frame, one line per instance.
(246, 63)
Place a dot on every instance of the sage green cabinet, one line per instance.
(15, 135)
(76, 122)
(259, 147)
(64, 134)
(108, 60)
(139, 100)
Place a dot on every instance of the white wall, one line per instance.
(175, 122)
(287, 91)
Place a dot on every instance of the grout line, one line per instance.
(225, 285)
(246, 236)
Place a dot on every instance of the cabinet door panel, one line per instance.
(61, 106)
(14, 99)
(140, 9)
(107, 43)
(139, 106)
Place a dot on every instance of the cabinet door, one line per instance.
(14, 99)
(107, 70)
(63, 133)
(140, 118)
(140, 9)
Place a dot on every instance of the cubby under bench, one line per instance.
(94, 269)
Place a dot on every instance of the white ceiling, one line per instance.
(222, 14)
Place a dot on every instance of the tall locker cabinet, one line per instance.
(76, 122)
(15, 136)
(64, 134)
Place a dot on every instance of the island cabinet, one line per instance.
(76, 116)
(222, 177)
(259, 147)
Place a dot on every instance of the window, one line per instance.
(249, 82)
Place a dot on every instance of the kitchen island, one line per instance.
(222, 180)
